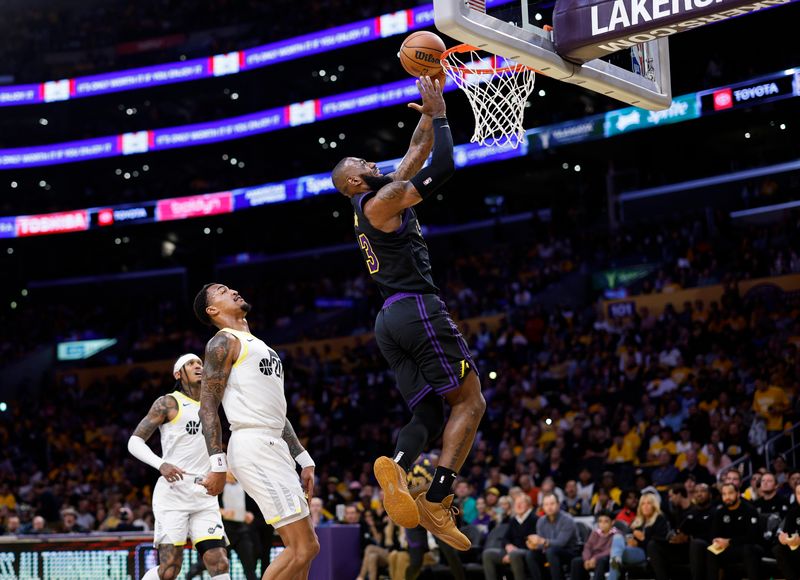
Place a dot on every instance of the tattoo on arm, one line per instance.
(389, 202)
(392, 191)
(216, 369)
(418, 151)
(157, 415)
(288, 435)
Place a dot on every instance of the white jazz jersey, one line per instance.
(254, 396)
(183, 509)
(182, 441)
(258, 457)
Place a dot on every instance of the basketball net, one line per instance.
(497, 90)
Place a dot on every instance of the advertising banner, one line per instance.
(587, 29)
(194, 206)
(767, 288)
(630, 119)
(749, 94)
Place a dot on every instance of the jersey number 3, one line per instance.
(372, 260)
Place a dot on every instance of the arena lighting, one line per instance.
(3, 407)
(764, 209)
(229, 129)
(709, 181)
(492, 375)
(684, 107)
(232, 63)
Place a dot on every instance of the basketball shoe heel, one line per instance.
(397, 502)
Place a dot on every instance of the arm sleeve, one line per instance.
(588, 548)
(141, 451)
(789, 524)
(507, 536)
(441, 168)
(658, 531)
(565, 532)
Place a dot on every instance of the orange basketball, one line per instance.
(421, 54)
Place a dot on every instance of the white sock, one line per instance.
(152, 574)
(220, 577)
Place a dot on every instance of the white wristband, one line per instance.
(219, 463)
(304, 460)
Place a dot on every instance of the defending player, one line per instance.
(414, 331)
(181, 507)
(246, 376)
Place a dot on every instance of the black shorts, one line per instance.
(422, 345)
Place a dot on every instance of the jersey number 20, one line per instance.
(372, 260)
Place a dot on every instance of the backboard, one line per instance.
(521, 31)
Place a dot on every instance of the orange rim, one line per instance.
(461, 48)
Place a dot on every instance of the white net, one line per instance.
(498, 91)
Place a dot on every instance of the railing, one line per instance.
(744, 465)
(788, 454)
(747, 465)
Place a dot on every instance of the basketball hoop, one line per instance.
(497, 89)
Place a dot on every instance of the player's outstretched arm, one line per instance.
(418, 151)
(433, 106)
(221, 352)
(393, 198)
(163, 410)
(301, 456)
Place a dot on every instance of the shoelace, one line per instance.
(454, 511)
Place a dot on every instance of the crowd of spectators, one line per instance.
(491, 276)
(585, 417)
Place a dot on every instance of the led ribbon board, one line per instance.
(231, 63)
(587, 29)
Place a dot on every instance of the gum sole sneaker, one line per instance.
(397, 502)
(438, 519)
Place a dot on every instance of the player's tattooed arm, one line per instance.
(418, 151)
(163, 410)
(221, 352)
(389, 202)
(288, 435)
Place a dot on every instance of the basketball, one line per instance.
(421, 54)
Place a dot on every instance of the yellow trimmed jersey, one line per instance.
(254, 396)
(182, 441)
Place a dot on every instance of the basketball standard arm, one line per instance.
(221, 352)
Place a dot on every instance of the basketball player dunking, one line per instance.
(182, 508)
(414, 331)
(246, 376)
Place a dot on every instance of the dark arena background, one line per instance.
(627, 283)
